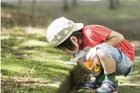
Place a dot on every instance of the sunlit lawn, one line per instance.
(27, 55)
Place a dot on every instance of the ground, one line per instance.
(31, 65)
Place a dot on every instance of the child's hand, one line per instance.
(91, 54)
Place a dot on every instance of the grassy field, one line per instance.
(29, 62)
(31, 65)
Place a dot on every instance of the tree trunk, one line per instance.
(19, 6)
(33, 8)
(65, 5)
(113, 4)
(117, 3)
(74, 3)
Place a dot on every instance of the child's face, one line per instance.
(72, 51)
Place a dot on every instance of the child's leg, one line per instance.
(112, 60)
(109, 65)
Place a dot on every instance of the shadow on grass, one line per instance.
(30, 56)
(11, 86)
(129, 89)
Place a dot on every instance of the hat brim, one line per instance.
(79, 26)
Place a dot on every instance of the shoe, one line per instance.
(108, 87)
(94, 84)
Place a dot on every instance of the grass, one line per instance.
(29, 56)
(26, 55)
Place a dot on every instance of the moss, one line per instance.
(30, 56)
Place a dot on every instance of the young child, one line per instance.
(115, 53)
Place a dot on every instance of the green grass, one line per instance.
(27, 55)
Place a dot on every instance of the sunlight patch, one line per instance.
(135, 72)
(55, 84)
(44, 59)
(31, 30)
(34, 43)
(5, 37)
(15, 68)
(125, 16)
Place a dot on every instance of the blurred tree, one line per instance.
(33, 8)
(74, 3)
(113, 4)
(19, 6)
(117, 2)
(65, 5)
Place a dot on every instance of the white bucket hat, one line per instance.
(60, 29)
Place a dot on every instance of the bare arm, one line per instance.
(114, 38)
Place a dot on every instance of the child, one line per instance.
(115, 53)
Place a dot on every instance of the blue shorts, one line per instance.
(123, 62)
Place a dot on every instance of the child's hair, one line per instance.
(67, 44)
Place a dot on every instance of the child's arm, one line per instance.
(114, 38)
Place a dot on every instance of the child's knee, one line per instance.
(104, 51)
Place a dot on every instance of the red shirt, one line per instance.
(96, 34)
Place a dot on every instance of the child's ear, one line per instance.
(74, 41)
